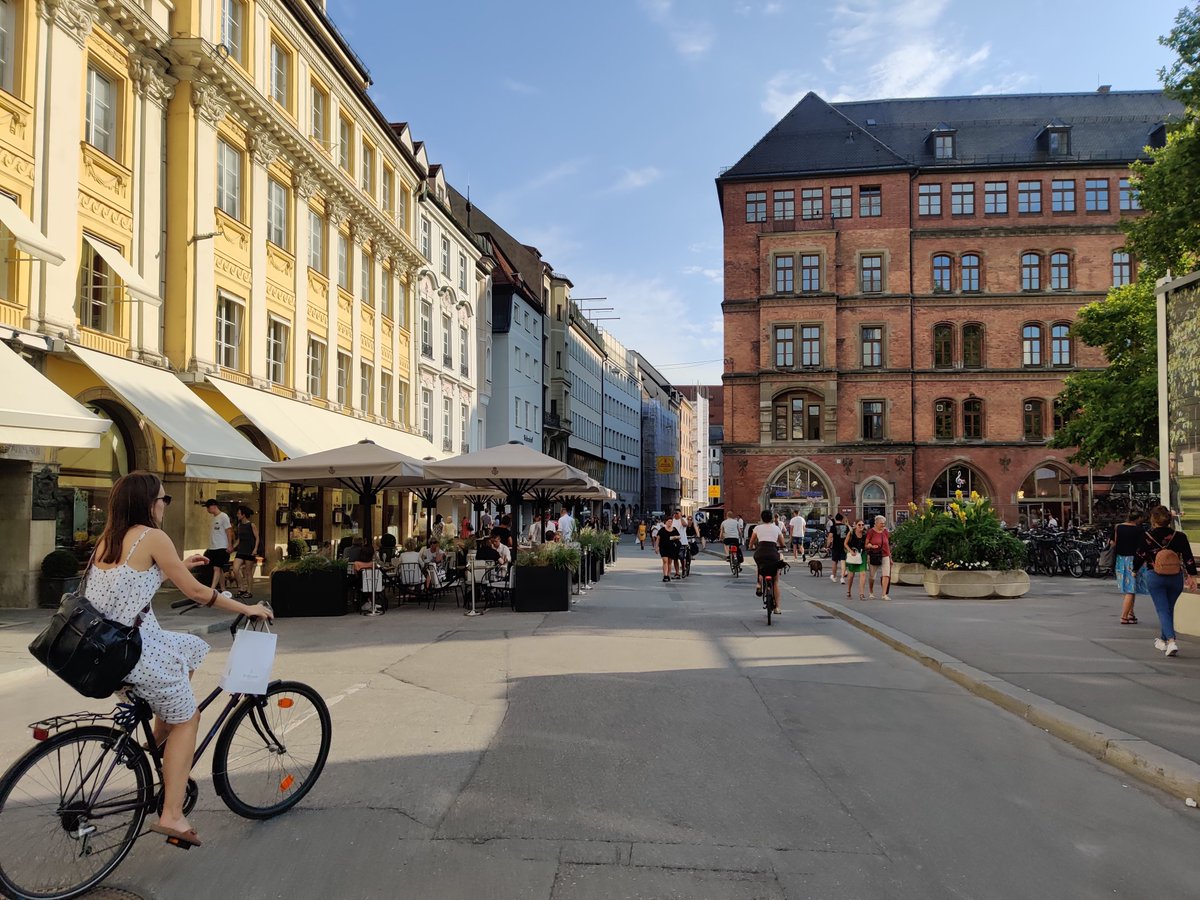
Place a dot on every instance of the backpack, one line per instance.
(1167, 561)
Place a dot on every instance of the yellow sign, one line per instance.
(714, 491)
(666, 465)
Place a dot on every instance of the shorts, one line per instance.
(884, 566)
(731, 542)
(666, 549)
(248, 557)
(797, 541)
(768, 565)
(218, 558)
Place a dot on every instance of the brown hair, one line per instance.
(130, 503)
(1160, 516)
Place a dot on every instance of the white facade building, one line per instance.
(517, 354)
(622, 431)
(585, 368)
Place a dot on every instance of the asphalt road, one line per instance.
(658, 741)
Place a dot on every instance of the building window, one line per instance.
(345, 151)
(402, 209)
(969, 272)
(343, 261)
(316, 367)
(1029, 196)
(343, 379)
(402, 400)
(943, 346)
(871, 273)
(810, 345)
(387, 190)
(281, 74)
(385, 396)
(1060, 272)
(810, 273)
(366, 387)
(785, 205)
(756, 206)
(812, 203)
(385, 293)
(1058, 142)
(1031, 272)
(943, 420)
(941, 272)
(962, 199)
(1031, 345)
(1060, 345)
(1128, 195)
(995, 198)
(1122, 268)
(1034, 420)
(427, 413)
(233, 15)
(277, 347)
(784, 274)
(101, 121)
(1095, 195)
(872, 347)
(929, 200)
(230, 314)
(785, 347)
(97, 287)
(316, 241)
(1062, 195)
(973, 420)
(797, 418)
(366, 280)
(318, 128)
(8, 45)
(277, 213)
(462, 272)
(517, 412)
(972, 346)
(840, 200)
(870, 201)
(464, 354)
(943, 146)
(872, 420)
(229, 179)
(426, 239)
(447, 344)
(367, 175)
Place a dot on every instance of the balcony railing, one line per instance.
(448, 361)
(465, 370)
(427, 350)
(447, 444)
(551, 420)
(464, 448)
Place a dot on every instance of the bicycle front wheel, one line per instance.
(272, 750)
(70, 810)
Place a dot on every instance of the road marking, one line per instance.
(332, 701)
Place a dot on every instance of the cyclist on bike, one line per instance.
(132, 558)
(766, 540)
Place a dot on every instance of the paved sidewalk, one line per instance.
(1058, 657)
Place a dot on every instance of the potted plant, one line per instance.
(542, 578)
(311, 585)
(906, 569)
(967, 554)
(596, 544)
(60, 575)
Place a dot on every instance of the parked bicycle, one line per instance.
(73, 805)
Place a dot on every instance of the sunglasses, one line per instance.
(165, 498)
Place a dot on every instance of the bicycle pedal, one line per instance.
(181, 844)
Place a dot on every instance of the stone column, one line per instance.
(263, 151)
(303, 187)
(210, 108)
(358, 237)
(335, 214)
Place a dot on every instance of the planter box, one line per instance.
(308, 593)
(51, 590)
(541, 589)
(908, 573)
(597, 566)
(978, 585)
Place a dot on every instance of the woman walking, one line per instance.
(642, 534)
(246, 553)
(1167, 557)
(879, 559)
(669, 542)
(856, 563)
(838, 532)
(1126, 540)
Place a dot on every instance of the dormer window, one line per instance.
(942, 141)
(1057, 138)
(1158, 137)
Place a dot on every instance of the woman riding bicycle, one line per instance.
(766, 540)
(131, 560)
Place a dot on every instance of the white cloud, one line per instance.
(773, 8)
(633, 179)
(520, 87)
(691, 36)
(783, 91)
(716, 276)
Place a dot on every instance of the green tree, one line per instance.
(1112, 414)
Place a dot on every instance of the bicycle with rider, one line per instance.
(766, 540)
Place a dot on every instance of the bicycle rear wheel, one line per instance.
(769, 598)
(70, 810)
(272, 750)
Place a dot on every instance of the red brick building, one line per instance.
(900, 281)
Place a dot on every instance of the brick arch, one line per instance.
(782, 471)
(135, 428)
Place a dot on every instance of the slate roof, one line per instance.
(1003, 131)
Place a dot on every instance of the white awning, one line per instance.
(25, 233)
(134, 283)
(36, 412)
(299, 428)
(213, 449)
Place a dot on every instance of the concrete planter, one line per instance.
(908, 573)
(976, 585)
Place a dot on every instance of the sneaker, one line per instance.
(843, 579)
(1160, 644)
(870, 596)
(833, 578)
(1172, 648)
(886, 597)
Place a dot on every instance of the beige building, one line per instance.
(688, 472)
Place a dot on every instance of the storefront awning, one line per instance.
(134, 283)
(213, 449)
(299, 428)
(26, 235)
(36, 412)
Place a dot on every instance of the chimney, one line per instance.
(1104, 89)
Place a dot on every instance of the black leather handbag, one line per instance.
(89, 652)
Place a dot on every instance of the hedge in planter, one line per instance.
(542, 578)
(309, 586)
(967, 537)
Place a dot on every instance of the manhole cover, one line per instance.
(108, 893)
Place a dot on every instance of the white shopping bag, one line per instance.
(249, 668)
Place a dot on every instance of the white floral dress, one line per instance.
(161, 674)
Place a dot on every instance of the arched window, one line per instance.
(1060, 344)
(1060, 272)
(799, 486)
(956, 478)
(798, 417)
(943, 346)
(972, 343)
(1031, 345)
(1122, 268)
(969, 272)
(1034, 420)
(1031, 272)
(943, 420)
(973, 420)
(941, 272)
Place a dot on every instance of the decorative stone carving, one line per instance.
(304, 185)
(335, 211)
(74, 18)
(263, 149)
(208, 102)
(45, 494)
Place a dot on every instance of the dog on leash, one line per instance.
(815, 567)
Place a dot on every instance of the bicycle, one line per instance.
(734, 555)
(73, 805)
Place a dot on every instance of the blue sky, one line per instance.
(594, 130)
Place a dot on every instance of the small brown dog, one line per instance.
(815, 567)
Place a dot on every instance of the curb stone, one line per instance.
(1145, 761)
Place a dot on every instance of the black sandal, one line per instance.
(1129, 620)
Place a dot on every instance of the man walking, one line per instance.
(220, 542)
(797, 527)
(566, 525)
